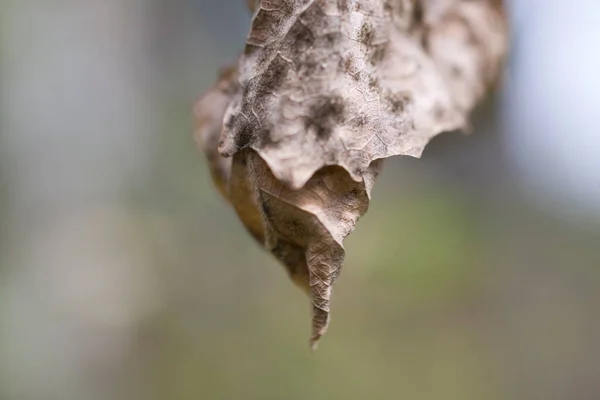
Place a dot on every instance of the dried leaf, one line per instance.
(325, 90)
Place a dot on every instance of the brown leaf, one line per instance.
(327, 89)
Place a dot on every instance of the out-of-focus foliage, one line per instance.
(124, 276)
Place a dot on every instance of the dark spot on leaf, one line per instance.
(348, 62)
(266, 209)
(295, 227)
(331, 38)
(229, 122)
(418, 13)
(287, 7)
(360, 120)
(387, 6)
(244, 134)
(397, 101)
(275, 74)
(472, 39)
(366, 34)
(300, 38)
(343, 5)
(324, 115)
(308, 67)
(425, 40)
(264, 138)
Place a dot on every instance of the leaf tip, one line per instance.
(314, 343)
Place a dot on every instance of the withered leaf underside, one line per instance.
(296, 132)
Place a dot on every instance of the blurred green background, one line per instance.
(123, 274)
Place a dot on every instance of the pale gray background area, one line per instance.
(123, 275)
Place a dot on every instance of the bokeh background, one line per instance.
(123, 275)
